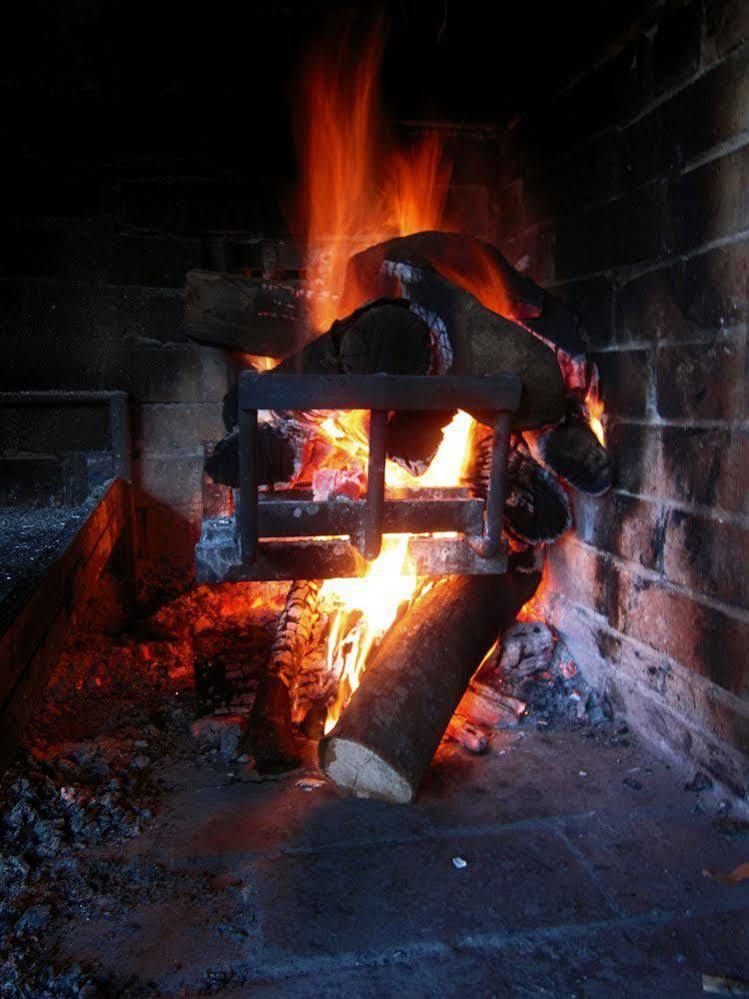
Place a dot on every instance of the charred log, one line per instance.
(284, 447)
(269, 735)
(254, 317)
(387, 735)
(573, 452)
(476, 266)
(483, 342)
(414, 436)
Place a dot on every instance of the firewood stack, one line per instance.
(409, 311)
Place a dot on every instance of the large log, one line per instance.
(481, 341)
(390, 729)
(476, 266)
(254, 317)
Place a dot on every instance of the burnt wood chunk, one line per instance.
(243, 314)
(537, 509)
(482, 342)
(388, 733)
(478, 267)
(269, 735)
(414, 437)
(574, 453)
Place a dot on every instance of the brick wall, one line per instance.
(94, 299)
(630, 194)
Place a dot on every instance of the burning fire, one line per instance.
(594, 410)
(355, 192)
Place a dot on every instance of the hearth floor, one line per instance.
(139, 860)
(576, 883)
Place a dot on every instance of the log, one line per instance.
(482, 342)
(383, 336)
(254, 317)
(269, 735)
(537, 509)
(285, 448)
(479, 268)
(390, 729)
(573, 452)
(413, 437)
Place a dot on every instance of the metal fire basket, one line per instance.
(289, 535)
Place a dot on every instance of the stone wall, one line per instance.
(629, 191)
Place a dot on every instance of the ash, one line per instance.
(117, 719)
(120, 722)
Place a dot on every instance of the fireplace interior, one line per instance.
(373, 525)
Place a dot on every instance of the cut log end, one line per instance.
(352, 765)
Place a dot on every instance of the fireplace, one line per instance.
(263, 484)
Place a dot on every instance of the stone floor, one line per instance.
(583, 877)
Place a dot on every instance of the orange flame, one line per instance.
(357, 192)
(593, 407)
(354, 193)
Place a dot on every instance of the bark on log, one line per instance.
(254, 317)
(388, 733)
(269, 735)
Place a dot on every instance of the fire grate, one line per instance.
(296, 537)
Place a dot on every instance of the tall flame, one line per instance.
(355, 192)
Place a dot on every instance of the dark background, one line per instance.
(91, 90)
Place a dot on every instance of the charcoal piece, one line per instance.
(414, 436)
(280, 455)
(574, 453)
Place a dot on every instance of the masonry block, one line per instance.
(593, 301)
(625, 526)
(625, 381)
(710, 202)
(174, 480)
(701, 637)
(709, 555)
(179, 426)
(703, 381)
(726, 26)
(604, 235)
(180, 373)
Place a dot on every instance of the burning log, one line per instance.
(389, 731)
(482, 342)
(468, 261)
(254, 317)
(284, 448)
(414, 436)
(383, 336)
(476, 266)
(269, 734)
(573, 452)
